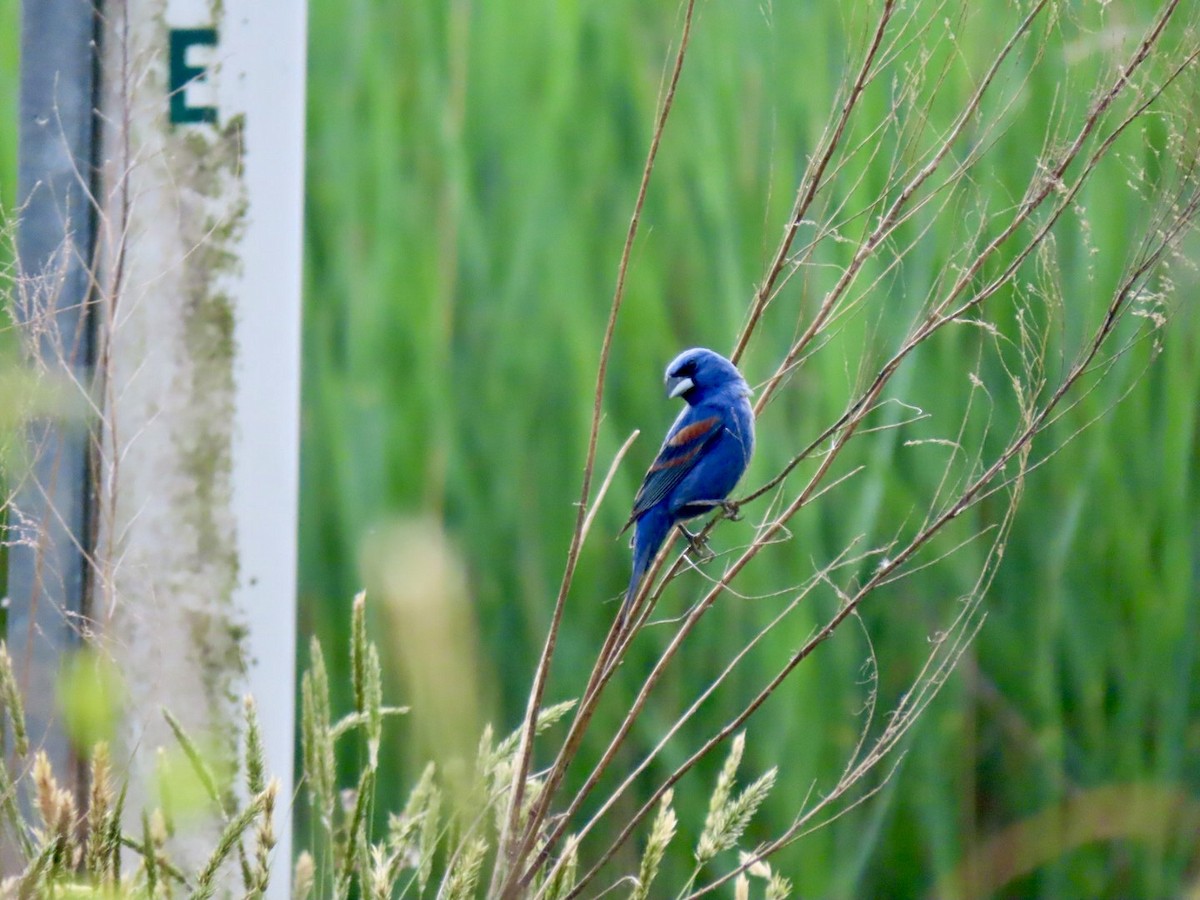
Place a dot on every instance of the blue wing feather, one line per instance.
(678, 455)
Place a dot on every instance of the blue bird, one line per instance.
(702, 458)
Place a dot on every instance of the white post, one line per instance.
(199, 307)
(267, 86)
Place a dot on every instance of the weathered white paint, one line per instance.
(263, 79)
(195, 587)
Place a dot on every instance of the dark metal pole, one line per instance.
(47, 564)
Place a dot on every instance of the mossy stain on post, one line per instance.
(211, 159)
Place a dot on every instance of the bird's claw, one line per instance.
(699, 545)
(733, 511)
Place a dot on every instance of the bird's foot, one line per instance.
(733, 511)
(699, 545)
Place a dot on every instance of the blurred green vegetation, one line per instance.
(471, 173)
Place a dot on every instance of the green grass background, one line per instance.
(471, 173)
(471, 170)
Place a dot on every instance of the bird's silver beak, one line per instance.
(677, 386)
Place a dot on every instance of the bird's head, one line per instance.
(699, 371)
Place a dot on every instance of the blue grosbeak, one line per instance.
(703, 456)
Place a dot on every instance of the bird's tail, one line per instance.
(648, 535)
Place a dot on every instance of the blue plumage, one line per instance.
(702, 458)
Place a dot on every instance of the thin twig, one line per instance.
(812, 183)
(511, 856)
